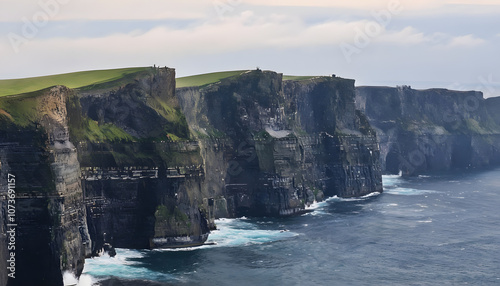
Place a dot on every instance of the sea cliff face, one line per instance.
(51, 228)
(281, 144)
(135, 163)
(435, 130)
(142, 175)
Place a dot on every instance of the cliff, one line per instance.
(435, 130)
(50, 218)
(91, 169)
(133, 162)
(141, 174)
(271, 147)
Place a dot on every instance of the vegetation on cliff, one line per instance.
(87, 79)
(205, 79)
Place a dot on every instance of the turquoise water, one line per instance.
(421, 231)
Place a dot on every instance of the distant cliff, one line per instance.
(434, 130)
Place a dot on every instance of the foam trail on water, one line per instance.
(392, 185)
(125, 264)
(408, 191)
(238, 232)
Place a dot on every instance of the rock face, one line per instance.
(435, 130)
(281, 145)
(138, 164)
(135, 163)
(51, 232)
(142, 189)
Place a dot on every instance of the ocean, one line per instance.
(427, 230)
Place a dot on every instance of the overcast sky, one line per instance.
(424, 43)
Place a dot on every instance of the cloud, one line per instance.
(66, 10)
(63, 10)
(466, 41)
(241, 32)
(475, 2)
(406, 36)
(411, 36)
(370, 4)
(360, 4)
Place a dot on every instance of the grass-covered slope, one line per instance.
(208, 78)
(71, 80)
(204, 79)
(133, 97)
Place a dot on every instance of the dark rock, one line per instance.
(143, 165)
(435, 130)
(272, 147)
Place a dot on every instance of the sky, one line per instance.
(426, 43)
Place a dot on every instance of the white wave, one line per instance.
(319, 208)
(408, 191)
(239, 232)
(354, 199)
(317, 205)
(391, 180)
(374, 194)
(69, 279)
(123, 266)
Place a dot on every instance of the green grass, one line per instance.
(95, 132)
(475, 127)
(297, 78)
(204, 79)
(22, 109)
(71, 80)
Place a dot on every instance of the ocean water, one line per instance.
(437, 230)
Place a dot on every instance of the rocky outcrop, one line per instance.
(435, 130)
(50, 218)
(142, 176)
(493, 106)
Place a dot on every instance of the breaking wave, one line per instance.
(231, 233)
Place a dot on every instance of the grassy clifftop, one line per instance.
(204, 79)
(71, 80)
(88, 79)
(208, 78)
(133, 96)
